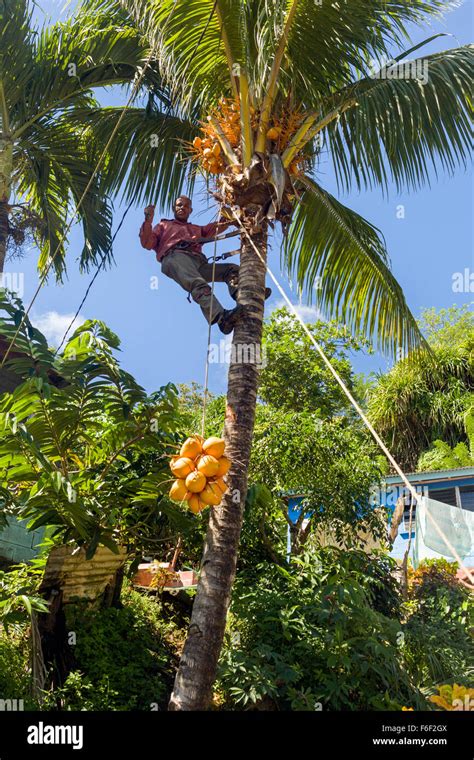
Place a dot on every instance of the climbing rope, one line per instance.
(206, 373)
(356, 406)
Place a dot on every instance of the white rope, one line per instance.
(356, 406)
(206, 374)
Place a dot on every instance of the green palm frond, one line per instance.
(406, 125)
(327, 41)
(148, 156)
(53, 168)
(47, 75)
(339, 255)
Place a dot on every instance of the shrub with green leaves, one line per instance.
(439, 645)
(312, 636)
(125, 658)
(83, 447)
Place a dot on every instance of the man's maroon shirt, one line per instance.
(170, 232)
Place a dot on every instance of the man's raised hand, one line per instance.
(149, 212)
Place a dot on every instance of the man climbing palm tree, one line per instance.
(177, 247)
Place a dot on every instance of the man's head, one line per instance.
(182, 208)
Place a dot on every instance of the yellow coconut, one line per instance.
(216, 149)
(212, 494)
(182, 466)
(273, 133)
(196, 481)
(197, 143)
(191, 448)
(178, 491)
(214, 446)
(224, 467)
(208, 465)
(195, 504)
(222, 484)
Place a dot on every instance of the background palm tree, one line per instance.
(312, 66)
(45, 162)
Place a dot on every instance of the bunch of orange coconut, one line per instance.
(209, 151)
(224, 121)
(199, 469)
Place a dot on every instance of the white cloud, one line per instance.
(307, 313)
(54, 325)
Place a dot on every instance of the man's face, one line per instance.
(182, 209)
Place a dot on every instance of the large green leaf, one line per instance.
(341, 257)
(401, 128)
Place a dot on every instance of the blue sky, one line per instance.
(164, 337)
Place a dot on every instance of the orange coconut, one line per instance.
(178, 491)
(222, 484)
(212, 494)
(208, 465)
(191, 448)
(195, 504)
(182, 466)
(214, 446)
(224, 467)
(273, 133)
(196, 481)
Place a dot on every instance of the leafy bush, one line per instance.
(80, 693)
(438, 645)
(310, 636)
(124, 658)
(18, 593)
(14, 668)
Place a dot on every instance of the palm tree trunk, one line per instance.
(198, 665)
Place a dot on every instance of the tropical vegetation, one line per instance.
(269, 88)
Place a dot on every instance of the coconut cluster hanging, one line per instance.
(199, 469)
(224, 120)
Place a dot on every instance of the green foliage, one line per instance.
(47, 76)
(425, 397)
(80, 693)
(375, 129)
(14, 667)
(443, 327)
(289, 354)
(333, 252)
(314, 632)
(72, 433)
(438, 645)
(124, 658)
(18, 595)
(442, 457)
(264, 528)
(331, 464)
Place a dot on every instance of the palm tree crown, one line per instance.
(316, 64)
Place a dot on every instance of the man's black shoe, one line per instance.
(229, 319)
